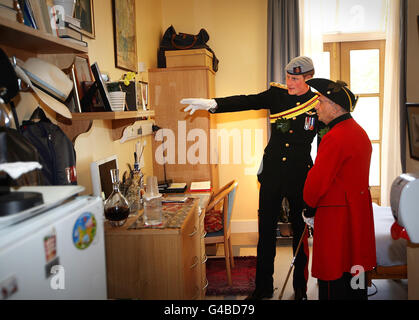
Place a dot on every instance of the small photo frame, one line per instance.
(413, 128)
(142, 95)
(101, 87)
(82, 72)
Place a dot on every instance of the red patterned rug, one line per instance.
(243, 276)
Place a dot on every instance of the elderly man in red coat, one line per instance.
(337, 186)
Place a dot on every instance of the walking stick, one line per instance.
(292, 263)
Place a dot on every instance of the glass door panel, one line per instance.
(365, 71)
(367, 114)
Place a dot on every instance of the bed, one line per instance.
(391, 254)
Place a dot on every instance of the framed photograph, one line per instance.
(83, 10)
(142, 95)
(413, 128)
(82, 72)
(125, 34)
(101, 87)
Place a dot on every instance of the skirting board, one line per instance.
(242, 226)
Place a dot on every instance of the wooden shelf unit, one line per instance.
(112, 115)
(82, 122)
(23, 41)
(19, 36)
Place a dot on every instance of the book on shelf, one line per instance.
(69, 33)
(79, 42)
(27, 15)
(73, 21)
(36, 11)
(72, 26)
(200, 186)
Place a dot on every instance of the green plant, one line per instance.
(114, 86)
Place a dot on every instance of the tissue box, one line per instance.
(189, 58)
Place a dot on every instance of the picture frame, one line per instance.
(101, 87)
(413, 129)
(125, 34)
(142, 93)
(82, 72)
(83, 10)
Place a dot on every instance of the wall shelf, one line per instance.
(112, 115)
(82, 122)
(19, 36)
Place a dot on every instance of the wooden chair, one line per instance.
(225, 195)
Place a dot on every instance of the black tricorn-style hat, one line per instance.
(337, 91)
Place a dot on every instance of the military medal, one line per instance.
(309, 123)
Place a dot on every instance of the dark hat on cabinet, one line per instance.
(337, 91)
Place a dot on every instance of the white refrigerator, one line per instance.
(56, 254)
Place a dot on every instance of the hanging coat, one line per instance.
(337, 185)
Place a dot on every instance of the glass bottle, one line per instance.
(133, 194)
(116, 206)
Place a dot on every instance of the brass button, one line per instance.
(291, 131)
(298, 103)
(287, 145)
(295, 118)
(309, 166)
(284, 159)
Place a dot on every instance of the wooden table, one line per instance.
(161, 263)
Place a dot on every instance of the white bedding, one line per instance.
(390, 252)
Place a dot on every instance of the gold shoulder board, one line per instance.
(278, 85)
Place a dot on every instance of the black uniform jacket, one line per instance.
(286, 159)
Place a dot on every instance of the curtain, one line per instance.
(391, 138)
(283, 37)
(403, 59)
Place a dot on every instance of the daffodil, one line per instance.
(128, 77)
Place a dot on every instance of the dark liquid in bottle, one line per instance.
(116, 213)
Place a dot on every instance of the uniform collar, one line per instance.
(341, 118)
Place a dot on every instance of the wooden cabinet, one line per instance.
(190, 155)
(158, 264)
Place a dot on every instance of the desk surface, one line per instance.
(134, 224)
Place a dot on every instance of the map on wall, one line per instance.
(125, 34)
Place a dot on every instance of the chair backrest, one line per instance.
(230, 199)
(226, 194)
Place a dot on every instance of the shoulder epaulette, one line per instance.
(278, 85)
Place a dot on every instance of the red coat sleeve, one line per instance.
(329, 159)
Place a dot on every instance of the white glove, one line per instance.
(308, 221)
(198, 104)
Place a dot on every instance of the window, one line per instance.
(361, 65)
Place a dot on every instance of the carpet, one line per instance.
(243, 276)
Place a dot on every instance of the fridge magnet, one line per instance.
(84, 230)
(50, 245)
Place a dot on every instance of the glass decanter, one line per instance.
(116, 206)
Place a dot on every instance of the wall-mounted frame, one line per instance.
(413, 128)
(83, 10)
(125, 34)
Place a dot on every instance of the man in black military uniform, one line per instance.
(284, 168)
